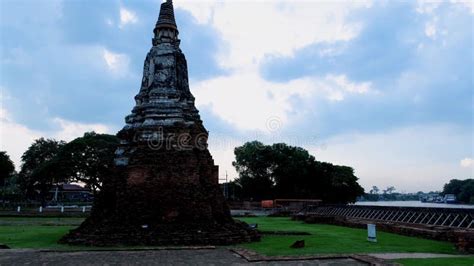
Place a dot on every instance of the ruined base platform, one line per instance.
(162, 235)
(162, 211)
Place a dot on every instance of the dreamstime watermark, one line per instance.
(164, 138)
(273, 124)
(161, 139)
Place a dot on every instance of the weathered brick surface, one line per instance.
(155, 257)
(318, 259)
(164, 189)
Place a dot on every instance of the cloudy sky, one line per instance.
(384, 86)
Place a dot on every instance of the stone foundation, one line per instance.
(161, 235)
(181, 204)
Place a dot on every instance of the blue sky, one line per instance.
(383, 86)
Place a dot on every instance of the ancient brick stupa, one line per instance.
(164, 187)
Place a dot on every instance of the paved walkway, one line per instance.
(394, 256)
(217, 256)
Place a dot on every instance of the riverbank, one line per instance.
(413, 204)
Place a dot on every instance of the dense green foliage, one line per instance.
(47, 162)
(9, 190)
(463, 261)
(35, 177)
(463, 189)
(282, 171)
(86, 159)
(335, 239)
(7, 168)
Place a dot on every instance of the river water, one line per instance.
(413, 204)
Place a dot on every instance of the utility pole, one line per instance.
(226, 187)
(226, 194)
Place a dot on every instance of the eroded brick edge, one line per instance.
(252, 256)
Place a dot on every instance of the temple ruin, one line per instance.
(164, 188)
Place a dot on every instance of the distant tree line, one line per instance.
(8, 177)
(265, 172)
(7, 168)
(283, 171)
(462, 189)
(48, 162)
(390, 194)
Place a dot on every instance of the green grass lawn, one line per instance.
(326, 239)
(467, 261)
(33, 236)
(45, 232)
(36, 232)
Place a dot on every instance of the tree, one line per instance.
(8, 179)
(7, 168)
(86, 159)
(293, 172)
(284, 171)
(343, 186)
(374, 190)
(462, 189)
(35, 177)
(453, 187)
(252, 162)
(389, 190)
(11, 190)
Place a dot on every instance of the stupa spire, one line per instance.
(165, 28)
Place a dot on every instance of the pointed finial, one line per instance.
(166, 17)
(166, 29)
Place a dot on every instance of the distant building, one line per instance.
(70, 193)
(289, 204)
(449, 198)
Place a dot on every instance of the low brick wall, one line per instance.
(35, 213)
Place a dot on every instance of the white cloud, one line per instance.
(467, 3)
(430, 30)
(202, 11)
(16, 56)
(467, 162)
(69, 130)
(411, 158)
(15, 138)
(253, 29)
(339, 86)
(109, 22)
(222, 150)
(427, 6)
(116, 63)
(248, 101)
(127, 17)
(242, 100)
